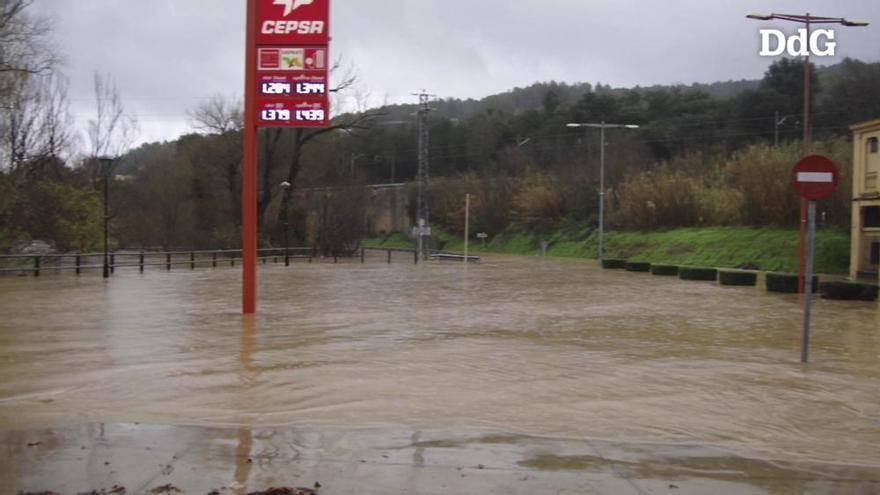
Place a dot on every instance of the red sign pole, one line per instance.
(286, 69)
(249, 170)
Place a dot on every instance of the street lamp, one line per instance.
(602, 125)
(106, 166)
(807, 20)
(285, 223)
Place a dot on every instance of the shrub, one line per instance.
(729, 277)
(786, 282)
(761, 173)
(849, 291)
(491, 202)
(665, 270)
(637, 266)
(612, 263)
(537, 204)
(657, 198)
(697, 273)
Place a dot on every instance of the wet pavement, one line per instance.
(515, 375)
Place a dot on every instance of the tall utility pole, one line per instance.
(423, 228)
(808, 21)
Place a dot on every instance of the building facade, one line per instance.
(865, 254)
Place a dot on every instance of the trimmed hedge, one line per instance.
(787, 282)
(613, 264)
(637, 266)
(697, 273)
(849, 291)
(665, 270)
(731, 277)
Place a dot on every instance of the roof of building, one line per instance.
(868, 124)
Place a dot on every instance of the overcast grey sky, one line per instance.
(166, 55)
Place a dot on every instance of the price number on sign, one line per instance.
(275, 88)
(310, 115)
(273, 115)
(307, 88)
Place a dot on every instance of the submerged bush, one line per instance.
(849, 291)
(637, 266)
(665, 270)
(787, 282)
(697, 273)
(612, 263)
(730, 277)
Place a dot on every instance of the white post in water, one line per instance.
(467, 225)
(808, 281)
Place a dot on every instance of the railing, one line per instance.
(35, 264)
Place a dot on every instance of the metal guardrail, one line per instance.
(78, 262)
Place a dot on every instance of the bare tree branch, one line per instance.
(218, 115)
(112, 131)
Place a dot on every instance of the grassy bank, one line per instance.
(768, 249)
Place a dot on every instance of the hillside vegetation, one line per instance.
(768, 249)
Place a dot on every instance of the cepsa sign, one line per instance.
(292, 63)
(293, 22)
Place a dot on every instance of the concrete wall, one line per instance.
(386, 206)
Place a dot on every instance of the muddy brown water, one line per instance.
(511, 348)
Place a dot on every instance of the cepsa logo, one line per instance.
(291, 5)
(304, 19)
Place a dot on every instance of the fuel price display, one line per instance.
(293, 113)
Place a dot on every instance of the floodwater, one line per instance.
(516, 350)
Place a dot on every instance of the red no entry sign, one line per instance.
(814, 177)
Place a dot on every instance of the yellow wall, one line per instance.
(866, 192)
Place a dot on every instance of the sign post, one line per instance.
(286, 85)
(814, 177)
(249, 172)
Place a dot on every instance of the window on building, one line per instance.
(873, 145)
(875, 253)
(872, 216)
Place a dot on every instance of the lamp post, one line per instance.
(602, 125)
(106, 166)
(285, 186)
(807, 20)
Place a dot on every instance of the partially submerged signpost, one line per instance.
(814, 177)
(286, 85)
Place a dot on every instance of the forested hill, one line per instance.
(532, 97)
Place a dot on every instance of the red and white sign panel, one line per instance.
(814, 177)
(293, 113)
(292, 62)
(293, 22)
(289, 58)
